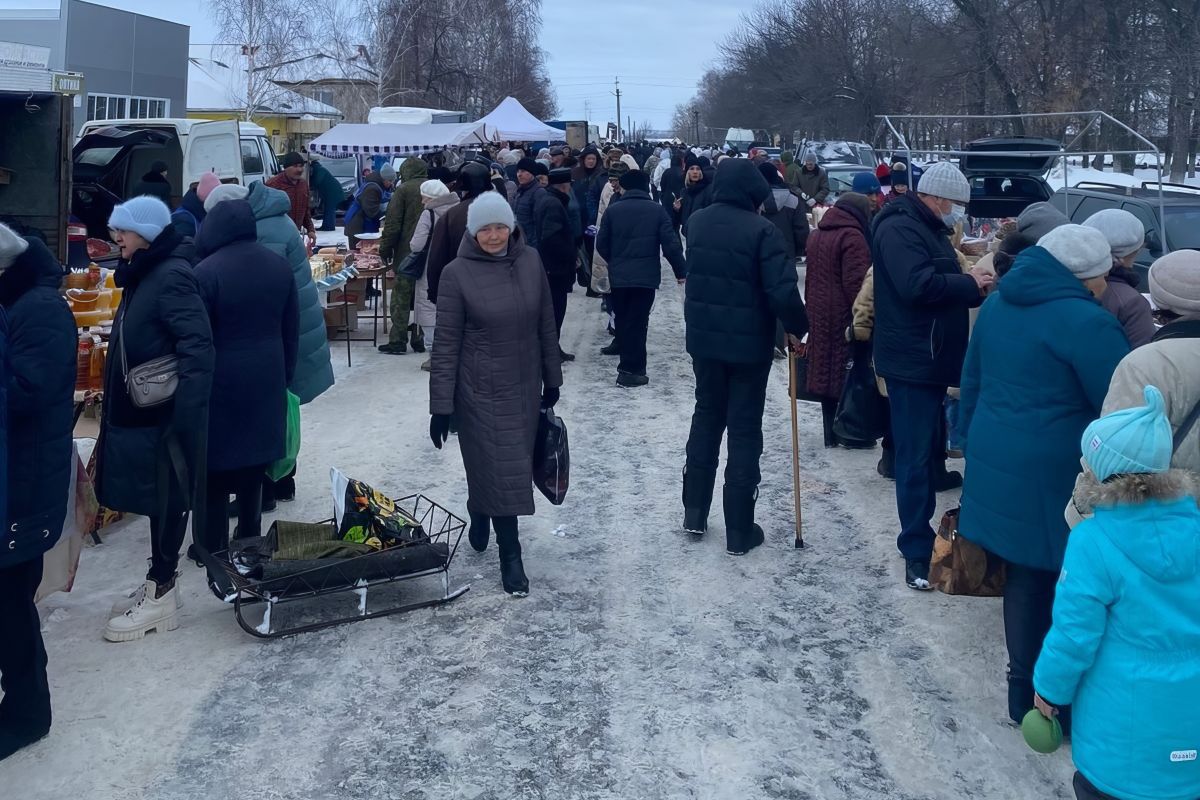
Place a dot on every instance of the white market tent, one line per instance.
(398, 140)
(513, 123)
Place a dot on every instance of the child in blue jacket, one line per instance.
(1124, 650)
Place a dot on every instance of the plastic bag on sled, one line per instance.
(551, 458)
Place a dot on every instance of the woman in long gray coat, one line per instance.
(495, 366)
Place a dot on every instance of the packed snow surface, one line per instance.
(644, 664)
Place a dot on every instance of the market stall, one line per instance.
(351, 139)
(513, 123)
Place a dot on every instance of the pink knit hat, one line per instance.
(208, 182)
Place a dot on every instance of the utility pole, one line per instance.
(696, 123)
(629, 126)
(617, 83)
(587, 111)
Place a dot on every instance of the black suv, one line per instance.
(1180, 207)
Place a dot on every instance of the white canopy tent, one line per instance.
(513, 123)
(398, 140)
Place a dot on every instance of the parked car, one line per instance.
(346, 172)
(111, 156)
(833, 151)
(1180, 214)
(841, 178)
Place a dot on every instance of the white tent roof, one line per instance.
(215, 86)
(514, 123)
(392, 139)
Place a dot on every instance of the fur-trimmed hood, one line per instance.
(1151, 518)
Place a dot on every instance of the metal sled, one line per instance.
(431, 556)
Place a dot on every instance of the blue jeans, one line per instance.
(955, 436)
(917, 439)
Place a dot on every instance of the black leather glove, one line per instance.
(439, 429)
(549, 397)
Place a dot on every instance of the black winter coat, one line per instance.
(161, 314)
(584, 184)
(695, 197)
(634, 234)
(527, 208)
(782, 207)
(190, 214)
(556, 240)
(739, 277)
(155, 185)
(671, 186)
(252, 308)
(921, 296)
(40, 389)
(447, 235)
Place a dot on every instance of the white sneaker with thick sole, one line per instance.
(149, 613)
(131, 599)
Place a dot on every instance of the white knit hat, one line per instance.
(1125, 233)
(489, 209)
(944, 179)
(226, 191)
(434, 189)
(12, 246)
(144, 215)
(1175, 282)
(1080, 249)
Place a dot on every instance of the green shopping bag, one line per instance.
(284, 466)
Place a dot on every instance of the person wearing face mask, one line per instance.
(1039, 366)
(495, 363)
(921, 303)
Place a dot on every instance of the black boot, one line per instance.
(742, 534)
(887, 464)
(944, 480)
(828, 412)
(697, 498)
(563, 355)
(512, 571)
(480, 531)
(611, 349)
(417, 339)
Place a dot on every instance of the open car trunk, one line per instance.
(1004, 185)
(108, 163)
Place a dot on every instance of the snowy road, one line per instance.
(643, 665)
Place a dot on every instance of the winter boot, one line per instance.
(887, 464)
(563, 355)
(417, 338)
(427, 365)
(628, 380)
(831, 439)
(742, 534)
(394, 348)
(512, 571)
(944, 480)
(697, 498)
(479, 532)
(152, 612)
(611, 349)
(134, 596)
(916, 574)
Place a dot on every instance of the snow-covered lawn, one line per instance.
(645, 664)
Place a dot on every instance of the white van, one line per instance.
(112, 155)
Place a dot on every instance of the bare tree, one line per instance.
(268, 35)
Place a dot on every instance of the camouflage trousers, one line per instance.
(401, 303)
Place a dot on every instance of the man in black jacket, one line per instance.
(921, 302)
(739, 281)
(632, 235)
(557, 245)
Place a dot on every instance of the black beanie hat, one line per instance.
(899, 176)
(690, 161)
(527, 164)
(539, 168)
(290, 160)
(635, 179)
(770, 173)
(560, 175)
(703, 162)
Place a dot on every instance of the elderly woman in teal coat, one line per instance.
(1037, 371)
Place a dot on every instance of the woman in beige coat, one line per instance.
(437, 199)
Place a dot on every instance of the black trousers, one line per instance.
(247, 484)
(25, 708)
(558, 296)
(916, 430)
(167, 533)
(1028, 607)
(729, 397)
(632, 307)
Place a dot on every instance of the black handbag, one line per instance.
(552, 458)
(801, 387)
(862, 413)
(413, 265)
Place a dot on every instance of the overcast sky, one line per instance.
(657, 59)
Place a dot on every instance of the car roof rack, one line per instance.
(1181, 188)
(1121, 187)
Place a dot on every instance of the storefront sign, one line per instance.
(24, 56)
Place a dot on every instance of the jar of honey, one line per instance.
(94, 276)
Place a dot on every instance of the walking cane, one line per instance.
(795, 444)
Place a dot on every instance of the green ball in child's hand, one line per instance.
(1041, 734)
